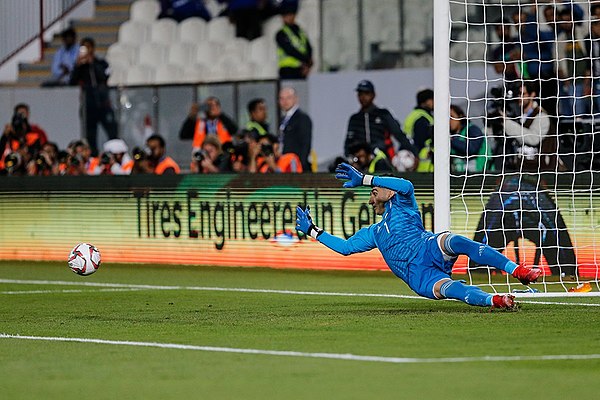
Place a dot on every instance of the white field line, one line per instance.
(333, 356)
(69, 291)
(249, 290)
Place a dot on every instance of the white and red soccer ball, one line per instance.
(84, 259)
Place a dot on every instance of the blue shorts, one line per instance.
(429, 267)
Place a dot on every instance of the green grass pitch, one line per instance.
(307, 323)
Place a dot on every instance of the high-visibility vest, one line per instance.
(166, 162)
(288, 162)
(93, 163)
(412, 117)
(255, 125)
(475, 164)
(379, 155)
(200, 133)
(299, 42)
(426, 157)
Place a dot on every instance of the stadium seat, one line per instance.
(220, 30)
(118, 76)
(182, 54)
(270, 28)
(206, 53)
(263, 51)
(168, 73)
(192, 30)
(195, 73)
(121, 53)
(164, 31)
(152, 54)
(144, 10)
(133, 32)
(140, 75)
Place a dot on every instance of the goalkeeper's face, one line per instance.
(380, 196)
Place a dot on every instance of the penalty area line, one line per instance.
(331, 356)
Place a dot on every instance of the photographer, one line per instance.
(213, 123)
(20, 133)
(265, 156)
(78, 161)
(368, 160)
(45, 163)
(159, 162)
(210, 159)
(114, 160)
(141, 161)
(529, 139)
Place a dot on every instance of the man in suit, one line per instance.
(295, 130)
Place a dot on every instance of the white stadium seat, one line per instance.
(133, 32)
(164, 31)
(195, 73)
(144, 10)
(121, 53)
(168, 73)
(192, 30)
(220, 30)
(208, 53)
(140, 75)
(182, 54)
(152, 54)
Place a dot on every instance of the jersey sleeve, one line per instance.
(399, 185)
(361, 241)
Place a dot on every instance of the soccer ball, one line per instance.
(84, 259)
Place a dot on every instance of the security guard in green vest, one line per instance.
(468, 145)
(367, 160)
(418, 126)
(294, 51)
(257, 126)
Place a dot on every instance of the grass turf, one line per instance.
(374, 326)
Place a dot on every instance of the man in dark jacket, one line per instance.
(295, 130)
(374, 125)
(91, 74)
(294, 51)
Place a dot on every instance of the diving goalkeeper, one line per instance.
(420, 258)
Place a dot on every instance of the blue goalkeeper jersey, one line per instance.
(399, 236)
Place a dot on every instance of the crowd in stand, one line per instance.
(540, 88)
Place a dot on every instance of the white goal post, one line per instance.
(517, 160)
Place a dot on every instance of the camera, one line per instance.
(63, 157)
(12, 161)
(19, 124)
(141, 153)
(106, 158)
(266, 149)
(76, 160)
(199, 156)
(40, 161)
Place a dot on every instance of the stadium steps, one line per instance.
(103, 28)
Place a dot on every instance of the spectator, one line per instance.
(468, 146)
(114, 160)
(215, 123)
(294, 51)
(572, 66)
(210, 159)
(22, 138)
(592, 45)
(374, 125)
(505, 55)
(160, 163)
(46, 161)
(266, 157)
(538, 55)
(64, 59)
(247, 15)
(295, 130)
(91, 74)
(257, 110)
(183, 9)
(368, 160)
(418, 125)
(530, 141)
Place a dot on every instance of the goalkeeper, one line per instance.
(420, 258)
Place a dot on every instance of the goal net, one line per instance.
(524, 161)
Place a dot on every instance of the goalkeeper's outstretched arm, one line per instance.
(359, 242)
(356, 178)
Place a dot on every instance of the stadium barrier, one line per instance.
(222, 220)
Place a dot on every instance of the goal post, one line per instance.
(517, 160)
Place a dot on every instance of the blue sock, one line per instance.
(469, 294)
(478, 252)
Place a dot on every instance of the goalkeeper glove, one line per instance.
(353, 176)
(305, 224)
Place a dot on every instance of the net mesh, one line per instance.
(525, 108)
